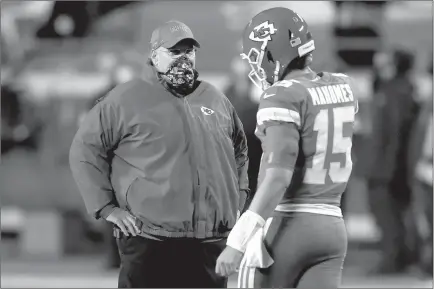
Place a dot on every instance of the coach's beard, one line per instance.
(181, 75)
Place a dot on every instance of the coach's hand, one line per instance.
(125, 221)
(228, 262)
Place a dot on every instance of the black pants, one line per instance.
(389, 204)
(113, 258)
(175, 263)
(425, 192)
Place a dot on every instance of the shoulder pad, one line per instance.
(284, 83)
(345, 77)
(277, 88)
(340, 74)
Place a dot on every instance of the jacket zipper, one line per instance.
(197, 189)
(187, 109)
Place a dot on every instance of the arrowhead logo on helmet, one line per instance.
(263, 32)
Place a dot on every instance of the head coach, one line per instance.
(164, 158)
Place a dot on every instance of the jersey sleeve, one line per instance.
(279, 105)
(280, 109)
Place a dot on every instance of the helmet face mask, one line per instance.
(257, 75)
(273, 39)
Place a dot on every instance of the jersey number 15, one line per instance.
(329, 124)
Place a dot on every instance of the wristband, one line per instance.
(244, 230)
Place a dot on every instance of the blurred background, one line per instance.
(58, 57)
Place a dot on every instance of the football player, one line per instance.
(293, 234)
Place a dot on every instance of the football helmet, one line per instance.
(271, 40)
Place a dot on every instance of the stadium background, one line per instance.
(47, 240)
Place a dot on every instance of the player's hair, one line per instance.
(298, 63)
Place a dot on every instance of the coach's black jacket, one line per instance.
(177, 164)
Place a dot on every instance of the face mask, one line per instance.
(181, 74)
(176, 69)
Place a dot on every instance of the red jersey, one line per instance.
(322, 107)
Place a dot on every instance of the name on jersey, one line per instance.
(329, 94)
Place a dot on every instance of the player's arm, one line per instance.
(281, 143)
(279, 122)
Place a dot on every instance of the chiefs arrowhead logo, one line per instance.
(206, 111)
(263, 32)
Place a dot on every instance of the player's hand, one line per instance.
(125, 221)
(228, 262)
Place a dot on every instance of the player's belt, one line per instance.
(322, 209)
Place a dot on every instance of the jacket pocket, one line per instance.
(127, 193)
(158, 203)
